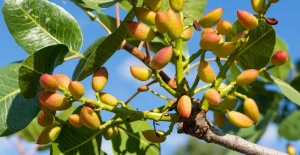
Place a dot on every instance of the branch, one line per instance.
(197, 125)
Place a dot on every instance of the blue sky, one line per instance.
(122, 84)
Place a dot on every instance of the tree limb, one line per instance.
(197, 125)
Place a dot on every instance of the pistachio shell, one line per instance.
(239, 119)
(76, 89)
(110, 132)
(184, 106)
(140, 73)
(74, 120)
(176, 5)
(63, 80)
(145, 15)
(279, 58)
(162, 22)
(212, 96)
(154, 5)
(49, 134)
(251, 109)
(211, 18)
(224, 49)
(228, 103)
(257, 5)
(46, 119)
(208, 30)
(209, 41)
(162, 58)
(154, 136)
(49, 83)
(99, 79)
(108, 99)
(224, 27)
(186, 34)
(205, 72)
(54, 101)
(248, 20)
(176, 25)
(247, 77)
(140, 31)
(219, 118)
(89, 118)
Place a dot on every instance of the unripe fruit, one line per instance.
(45, 109)
(212, 96)
(239, 119)
(140, 31)
(273, 1)
(205, 72)
(162, 58)
(74, 120)
(145, 15)
(162, 22)
(224, 27)
(108, 99)
(206, 30)
(290, 149)
(176, 26)
(211, 18)
(54, 101)
(76, 89)
(140, 73)
(209, 41)
(49, 83)
(110, 132)
(46, 119)
(186, 34)
(184, 106)
(228, 103)
(154, 136)
(49, 134)
(248, 20)
(153, 5)
(63, 80)
(219, 118)
(143, 88)
(279, 58)
(257, 5)
(176, 5)
(251, 109)
(99, 79)
(224, 49)
(89, 118)
(247, 77)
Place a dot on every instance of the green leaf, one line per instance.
(32, 131)
(99, 4)
(80, 3)
(105, 50)
(126, 5)
(285, 88)
(130, 140)
(296, 83)
(81, 140)
(289, 128)
(257, 51)
(236, 28)
(16, 112)
(92, 48)
(193, 8)
(36, 24)
(282, 72)
(234, 73)
(108, 21)
(38, 63)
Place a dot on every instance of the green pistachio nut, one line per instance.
(211, 18)
(140, 31)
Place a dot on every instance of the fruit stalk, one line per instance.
(179, 65)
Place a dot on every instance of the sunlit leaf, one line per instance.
(130, 140)
(289, 128)
(92, 48)
(285, 88)
(257, 51)
(16, 112)
(105, 50)
(99, 4)
(38, 63)
(36, 24)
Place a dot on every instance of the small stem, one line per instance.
(156, 94)
(195, 84)
(141, 45)
(240, 95)
(117, 14)
(165, 107)
(164, 85)
(148, 56)
(171, 126)
(201, 88)
(179, 66)
(77, 55)
(218, 61)
(109, 122)
(197, 63)
(132, 96)
(214, 108)
(192, 57)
